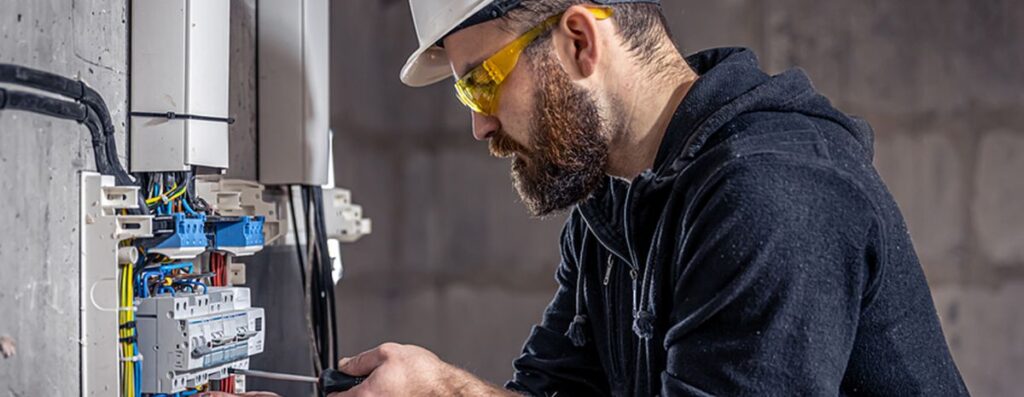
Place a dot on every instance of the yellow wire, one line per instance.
(127, 295)
(169, 196)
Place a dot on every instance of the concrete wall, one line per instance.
(456, 266)
(40, 159)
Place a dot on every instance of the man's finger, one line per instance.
(364, 363)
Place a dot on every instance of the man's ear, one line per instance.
(575, 39)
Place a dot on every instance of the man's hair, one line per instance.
(642, 26)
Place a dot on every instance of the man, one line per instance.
(728, 234)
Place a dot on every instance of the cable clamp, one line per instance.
(137, 357)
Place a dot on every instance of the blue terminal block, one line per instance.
(240, 237)
(188, 239)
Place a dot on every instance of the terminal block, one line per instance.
(240, 236)
(189, 339)
(186, 236)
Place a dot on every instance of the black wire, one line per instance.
(44, 105)
(298, 245)
(100, 124)
(328, 277)
(316, 303)
(66, 110)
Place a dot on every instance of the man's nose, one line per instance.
(484, 126)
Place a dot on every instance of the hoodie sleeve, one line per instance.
(769, 285)
(550, 363)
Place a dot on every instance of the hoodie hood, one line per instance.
(730, 84)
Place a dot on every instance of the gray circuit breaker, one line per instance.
(189, 339)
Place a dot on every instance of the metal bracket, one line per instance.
(102, 230)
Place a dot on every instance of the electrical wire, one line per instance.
(320, 293)
(298, 245)
(98, 118)
(131, 367)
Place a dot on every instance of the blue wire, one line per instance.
(145, 278)
(164, 269)
(188, 208)
(138, 370)
(194, 283)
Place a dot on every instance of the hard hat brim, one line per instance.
(426, 66)
(429, 64)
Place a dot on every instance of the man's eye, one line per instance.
(478, 77)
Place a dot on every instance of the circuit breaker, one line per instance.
(187, 341)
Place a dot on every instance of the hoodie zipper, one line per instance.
(633, 268)
(611, 298)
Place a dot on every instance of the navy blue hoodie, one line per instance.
(762, 255)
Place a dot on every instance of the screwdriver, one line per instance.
(330, 380)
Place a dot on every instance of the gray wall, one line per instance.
(454, 264)
(40, 159)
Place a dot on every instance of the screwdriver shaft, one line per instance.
(274, 375)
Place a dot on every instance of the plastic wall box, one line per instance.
(179, 63)
(293, 55)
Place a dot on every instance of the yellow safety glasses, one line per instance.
(479, 88)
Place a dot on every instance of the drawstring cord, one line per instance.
(577, 331)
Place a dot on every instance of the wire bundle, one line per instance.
(171, 192)
(226, 385)
(218, 265)
(167, 278)
(131, 367)
(319, 286)
(88, 108)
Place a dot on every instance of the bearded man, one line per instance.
(727, 234)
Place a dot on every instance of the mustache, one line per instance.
(502, 145)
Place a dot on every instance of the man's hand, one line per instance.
(405, 370)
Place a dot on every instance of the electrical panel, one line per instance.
(162, 316)
(179, 84)
(162, 310)
(294, 84)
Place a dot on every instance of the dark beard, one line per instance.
(569, 154)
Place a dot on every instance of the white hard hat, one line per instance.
(436, 19)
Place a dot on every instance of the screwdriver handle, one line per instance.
(333, 381)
